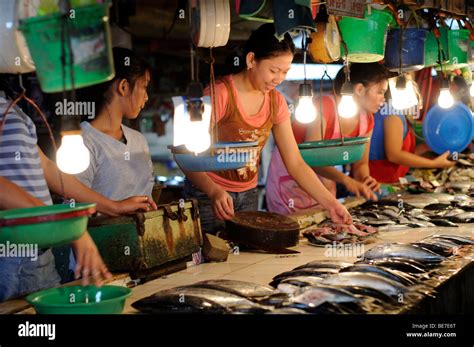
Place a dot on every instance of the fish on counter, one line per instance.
(327, 233)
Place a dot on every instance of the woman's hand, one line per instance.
(132, 204)
(372, 184)
(339, 213)
(442, 162)
(222, 204)
(90, 265)
(359, 188)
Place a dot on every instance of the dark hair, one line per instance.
(460, 90)
(365, 73)
(127, 66)
(264, 44)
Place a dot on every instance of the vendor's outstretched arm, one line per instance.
(393, 141)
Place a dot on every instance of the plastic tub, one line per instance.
(448, 129)
(89, 34)
(223, 156)
(412, 53)
(365, 38)
(46, 226)
(332, 152)
(80, 300)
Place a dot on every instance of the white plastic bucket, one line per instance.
(14, 54)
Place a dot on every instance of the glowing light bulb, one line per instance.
(403, 93)
(305, 111)
(73, 156)
(198, 139)
(347, 107)
(445, 99)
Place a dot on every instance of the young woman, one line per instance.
(26, 181)
(393, 148)
(248, 108)
(370, 82)
(120, 161)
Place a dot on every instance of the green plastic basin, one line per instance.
(90, 39)
(365, 38)
(333, 152)
(46, 226)
(107, 299)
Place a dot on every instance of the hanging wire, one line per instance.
(212, 88)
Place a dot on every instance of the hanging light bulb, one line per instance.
(347, 107)
(305, 111)
(73, 156)
(199, 139)
(402, 92)
(445, 99)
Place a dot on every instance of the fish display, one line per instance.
(327, 233)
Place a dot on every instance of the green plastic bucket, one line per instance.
(45, 226)
(90, 41)
(365, 38)
(455, 44)
(107, 299)
(431, 50)
(332, 152)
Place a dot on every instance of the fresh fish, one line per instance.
(191, 300)
(298, 281)
(419, 201)
(466, 217)
(370, 214)
(334, 264)
(380, 222)
(460, 240)
(437, 207)
(438, 249)
(170, 303)
(440, 242)
(287, 310)
(250, 309)
(419, 213)
(391, 213)
(396, 227)
(441, 197)
(421, 224)
(315, 296)
(406, 265)
(276, 298)
(369, 280)
(316, 240)
(402, 250)
(454, 212)
(306, 272)
(403, 280)
(245, 289)
(443, 223)
(366, 228)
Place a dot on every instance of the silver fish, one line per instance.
(395, 227)
(404, 250)
(246, 289)
(369, 280)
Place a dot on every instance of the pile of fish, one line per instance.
(387, 279)
(348, 234)
(416, 211)
(462, 172)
